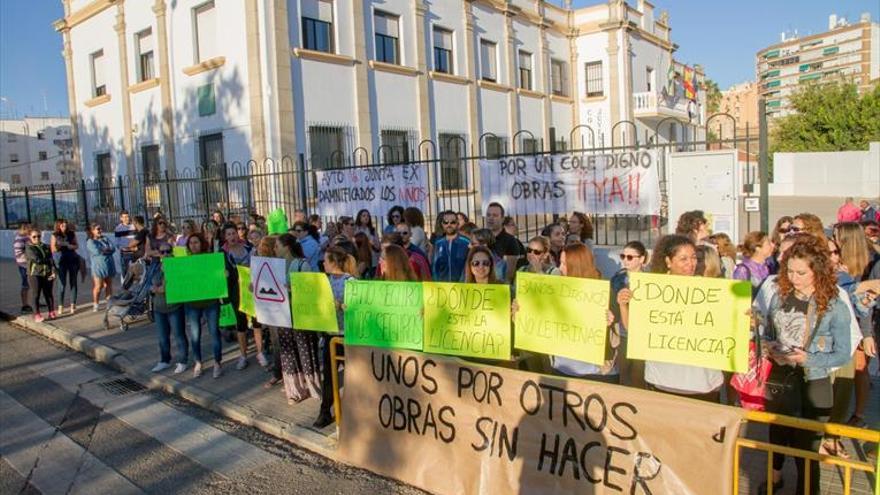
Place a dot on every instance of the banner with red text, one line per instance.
(375, 189)
(619, 183)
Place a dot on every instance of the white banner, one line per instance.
(621, 183)
(376, 189)
(271, 298)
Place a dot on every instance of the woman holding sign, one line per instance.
(239, 254)
(297, 350)
(340, 267)
(807, 334)
(480, 267)
(576, 260)
(209, 309)
(632, 259)
(676, 255)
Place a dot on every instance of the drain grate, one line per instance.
(122, 386)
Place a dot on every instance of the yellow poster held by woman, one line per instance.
(562, 316)
(696, 321)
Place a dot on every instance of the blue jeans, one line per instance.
(165, 323)
(193, 321)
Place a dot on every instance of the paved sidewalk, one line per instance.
(240, 395)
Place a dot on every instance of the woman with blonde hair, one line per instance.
(709, 263)
(727, 252)
(396, 265)
(538, 257)
(809, 223)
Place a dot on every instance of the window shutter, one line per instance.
(321, 10)
(98, 67)
(206, 24)
(387, 24)
(145, 41)
(442, 39)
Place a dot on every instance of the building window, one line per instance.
(44, 176)
(558, 78)
(317, 25)
(13, 157)
(395, 146)
(452, 164)
(525, 70)
(387, 35)
(594, 79)
(528, 145)
(494, 146)
(104, 176)
(327, 147)
(99, 80)
(649, 78)
(16, 179)
(144, 45)
(10, 137)
(150, 162)
(443, 50)
(206, 101)
(205, 20)
(488, 62)
(41, 135)
(42, 155)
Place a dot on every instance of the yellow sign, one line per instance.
(312, 303)
(467, 319)
(178, 251)
(562, 316)
(245, 296)
(696, 321)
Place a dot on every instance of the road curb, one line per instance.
(289, 432)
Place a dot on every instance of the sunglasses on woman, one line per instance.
(536, 252)
(629, 257)
(478, 263)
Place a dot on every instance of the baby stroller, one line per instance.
(133, 301)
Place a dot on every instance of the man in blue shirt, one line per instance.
(450, 251)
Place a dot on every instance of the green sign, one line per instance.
(195, 278)
(179, 251)
(227, 316)
(384, 314)
(562, 316)
(312, 303)
(245, 297)
(467, 319)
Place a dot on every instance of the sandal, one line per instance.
(857, 421)
(272, 382)
(834, 447)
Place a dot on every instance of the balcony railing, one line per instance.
(652, 104)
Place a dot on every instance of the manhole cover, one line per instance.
(122, 386)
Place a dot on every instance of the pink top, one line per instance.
(849, 213)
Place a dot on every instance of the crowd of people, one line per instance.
(814, 288)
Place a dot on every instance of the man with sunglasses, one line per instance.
(450, 251)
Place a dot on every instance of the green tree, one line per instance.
(713, 96)
(830, 117)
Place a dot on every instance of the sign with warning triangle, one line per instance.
(271, 295)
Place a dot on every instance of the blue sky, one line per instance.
(722, 36)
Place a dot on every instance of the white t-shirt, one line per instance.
(681, 378)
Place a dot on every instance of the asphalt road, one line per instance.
(68, 425)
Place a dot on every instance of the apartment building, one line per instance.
(36, 151)
(847, 50)
(161, 85)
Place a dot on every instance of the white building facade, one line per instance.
(157, 85)
(36, 151)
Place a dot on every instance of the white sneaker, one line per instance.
(261, 358)
(94, 307)
(217, 370)
(241, 364)
(180, 368)
(160, 366)
(197, 370)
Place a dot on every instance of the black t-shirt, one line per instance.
(141, 237)
(507, 245)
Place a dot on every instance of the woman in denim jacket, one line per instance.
(806, 334)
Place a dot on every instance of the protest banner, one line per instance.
(467, 319)
(562, 316)
(619, 183)
(195, 278)
(376, 189)
(178, 251)
(454, 427)
(384, 314)
(246, 297)
(271, 302)
(696, 321)
(312, 302)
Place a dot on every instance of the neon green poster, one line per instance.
(195, 278)
(246, 297)
(384, 314)
(312, 302)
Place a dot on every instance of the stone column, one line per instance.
(255, 81)
(422, 93)
(361, 86)
(471, 74)
(160, 9)
(76, 158)
(127, 138)
(512, 79)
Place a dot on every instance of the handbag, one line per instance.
(751, 385)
